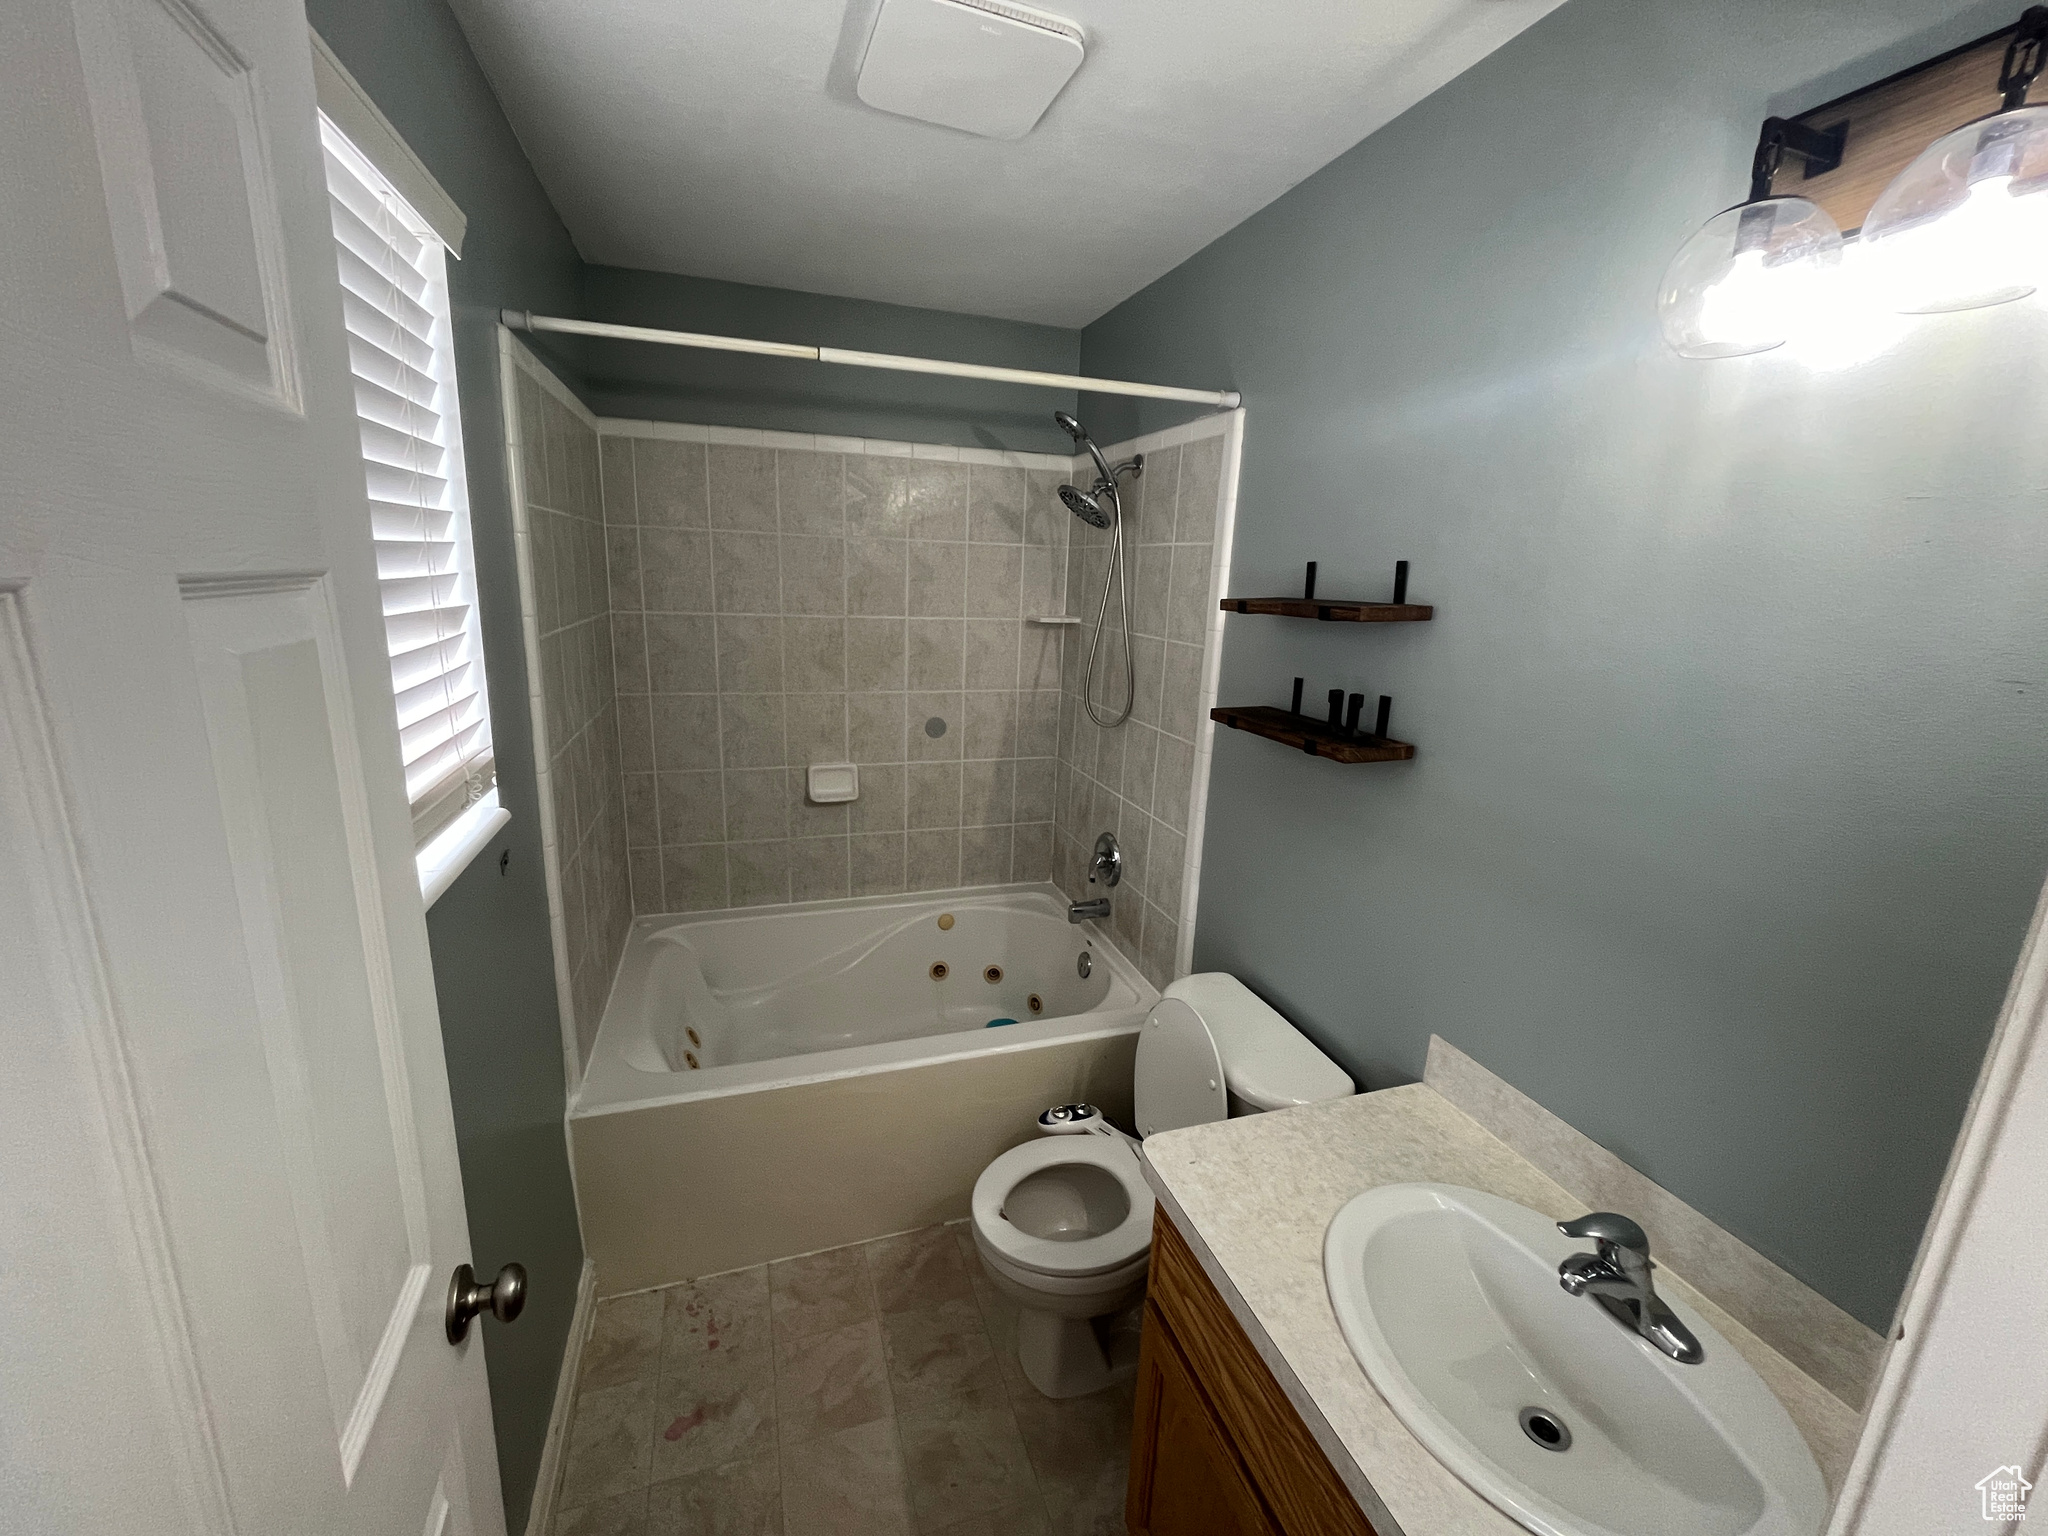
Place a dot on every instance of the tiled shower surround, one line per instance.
(566, 610)
(716, 610)
(774, 607)
(1140, 779)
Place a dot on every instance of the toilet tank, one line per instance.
(1266, 1063)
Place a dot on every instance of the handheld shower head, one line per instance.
(1079, 434)
(1103, 508)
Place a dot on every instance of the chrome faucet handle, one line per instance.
(1609, 1229)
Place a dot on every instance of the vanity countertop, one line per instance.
(1253, 1196)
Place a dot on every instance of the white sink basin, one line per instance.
(1449, 1299)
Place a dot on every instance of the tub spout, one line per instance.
(1081, 910)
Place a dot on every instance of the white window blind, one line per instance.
(401, 349)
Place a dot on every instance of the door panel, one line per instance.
(231, 1199)
(182, 153)
(304, 872)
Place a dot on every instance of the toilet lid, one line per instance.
(1179, 1075)
(1049, 1256)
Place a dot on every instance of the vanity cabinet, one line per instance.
(1216, 1447)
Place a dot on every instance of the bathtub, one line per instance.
(768, 1082)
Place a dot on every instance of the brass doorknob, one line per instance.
(503, 1297)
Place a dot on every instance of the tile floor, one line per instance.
(863, 1391)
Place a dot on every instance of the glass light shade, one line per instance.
(1966, 224)
(1743, 283)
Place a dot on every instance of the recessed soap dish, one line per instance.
(834, 783)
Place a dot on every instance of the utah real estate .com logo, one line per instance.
(2004, 1492)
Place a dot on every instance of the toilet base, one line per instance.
(1072, 1356)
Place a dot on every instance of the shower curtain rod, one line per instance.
(523, 320)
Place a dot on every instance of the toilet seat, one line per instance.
(1046, 1256)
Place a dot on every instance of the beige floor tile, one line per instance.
(623, 1514)
(712, 1409)
(961, 1464)
(624, 1342)
(827, 1382)
(941, 1355)
(999, 1317)
(741, 1498)
(727, 1311)
(609, 1449)
(848, 1484)
(1080, 1449)
(1017, 1520)
(820, 1292)
(918, 1269)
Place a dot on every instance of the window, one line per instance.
(400, 341)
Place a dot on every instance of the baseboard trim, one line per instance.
(540, 1514)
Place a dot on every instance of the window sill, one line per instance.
(449, 852)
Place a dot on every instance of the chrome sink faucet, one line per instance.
(1617, 1275)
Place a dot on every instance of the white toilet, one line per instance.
(1064, 1223)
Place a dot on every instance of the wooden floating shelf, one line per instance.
(1314, 736)
(1331, 610)
(1337, 610)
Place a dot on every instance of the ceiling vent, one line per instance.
(982, 66)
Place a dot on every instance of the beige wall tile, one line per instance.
(936, 654)
(985, 855)
(746, 572)
(757, 874)
(932, 795)
(693, 878)
(995, 578)
(811, 491)
(938, 580)
(814, 655)
(685, 731)
(988, 792)
(669, 483)
(877, 576)
(992, 653)
(931, 860)
(813, 574)
(675, 570)
(691, 807)
(876, 655)
(995, 504)
(742, 487)
(934, 500)
(749, 654)
(880, 806)
(818, 866)
(875, 727)
(876, 861)
(681, 655)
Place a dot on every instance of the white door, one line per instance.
(229, 1200)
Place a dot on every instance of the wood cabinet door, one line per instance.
(1186, 1478)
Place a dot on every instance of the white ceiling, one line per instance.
(723, 138)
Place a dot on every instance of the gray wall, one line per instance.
(493, 965)
(1727, 813)
(650, 383)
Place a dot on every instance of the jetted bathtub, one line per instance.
(782, 1079)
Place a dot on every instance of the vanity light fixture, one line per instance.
(1740, 284)
(1966, 225)
(1963, 225)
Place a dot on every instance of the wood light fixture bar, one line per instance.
(1879, 129)
(1337, 610)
